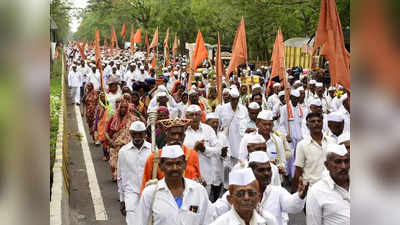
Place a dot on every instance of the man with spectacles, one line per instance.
(244, 196)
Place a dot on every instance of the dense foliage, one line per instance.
(298, 18)
(59, 11)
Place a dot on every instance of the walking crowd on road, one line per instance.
(180, 157)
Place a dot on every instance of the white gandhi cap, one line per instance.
(259, 157)
(337, 149)
(211, 116)
(335, 117)
(265, 115)
(254, 105)
(234, 93)
(241, 177)
(345, 136)
(172, 151)
(255, 139)
(316, 102)
(137, 126)
(295, 93)
(193, 108)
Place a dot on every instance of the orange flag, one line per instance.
(220, 71)
(239, 48)
(154, 42)
(175, 47)
(277, 60)
(330, 36)
(153, 61)
(81, 48)
(123, 31)
(146, 43)
(166, 50)
(98, 57)
(199, 54)
(138, 36)
(105, 46)
(132, 38)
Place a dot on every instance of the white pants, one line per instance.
(76, 94)
(131, 203)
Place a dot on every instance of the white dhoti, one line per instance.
(76, 94)
(131, 204)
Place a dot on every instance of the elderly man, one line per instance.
(175, 134)
(174, 199)
(131, 159)
(274, 99)
(249, 125)
(230, 114)
(276, 199)
(328, 202)
(344, 139)
(201, 137)
(75, 82)
(335, 125)
(310, 152)
(221, 162)
(244, 196)
(290, 124)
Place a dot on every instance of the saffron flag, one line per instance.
(146, 43)
(166, 50)
(175, 47)
(154, 42)
(330, 36)
(81, 48)
(277, 60)
(239, 48)
(153, 61)
(98, 57)
(123, 31)
(199, 54)
(138, 36)
(220, 71)
(132, 38)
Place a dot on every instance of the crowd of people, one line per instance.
(252, 159)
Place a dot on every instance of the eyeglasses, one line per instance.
(242, 193)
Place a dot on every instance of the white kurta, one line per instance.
(328, 203)
(206, 133)
(94, 78)
(277, 200)
(131, 161)
(226, 115)
(165, 211)
(232, 218)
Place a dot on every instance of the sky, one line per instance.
(75, 21)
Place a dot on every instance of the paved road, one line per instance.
(82, 210)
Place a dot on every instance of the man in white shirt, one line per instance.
(141, 75)
(94, 77)
(290, 124)
(275, 148)
(335, 125)
(129, 76)
(328, 202)
(275, 199)
(201, 137)
(131, 160)
(84, 71)
(249, 125)
(244, 196)
(75, 82)
(345, 111)
(221, 162)
(174, 199)
(230, 114)
(274, 99)
(310, 155)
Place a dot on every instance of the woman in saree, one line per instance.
(91, 101)
(118, 133)
(103, 113)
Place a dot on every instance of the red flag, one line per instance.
(154, 42)
(330, 36)
(98, 58)
(132, 39)
(138, 36)
(123, 31)
(175, 47)
(220, 71)
(239, 48)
